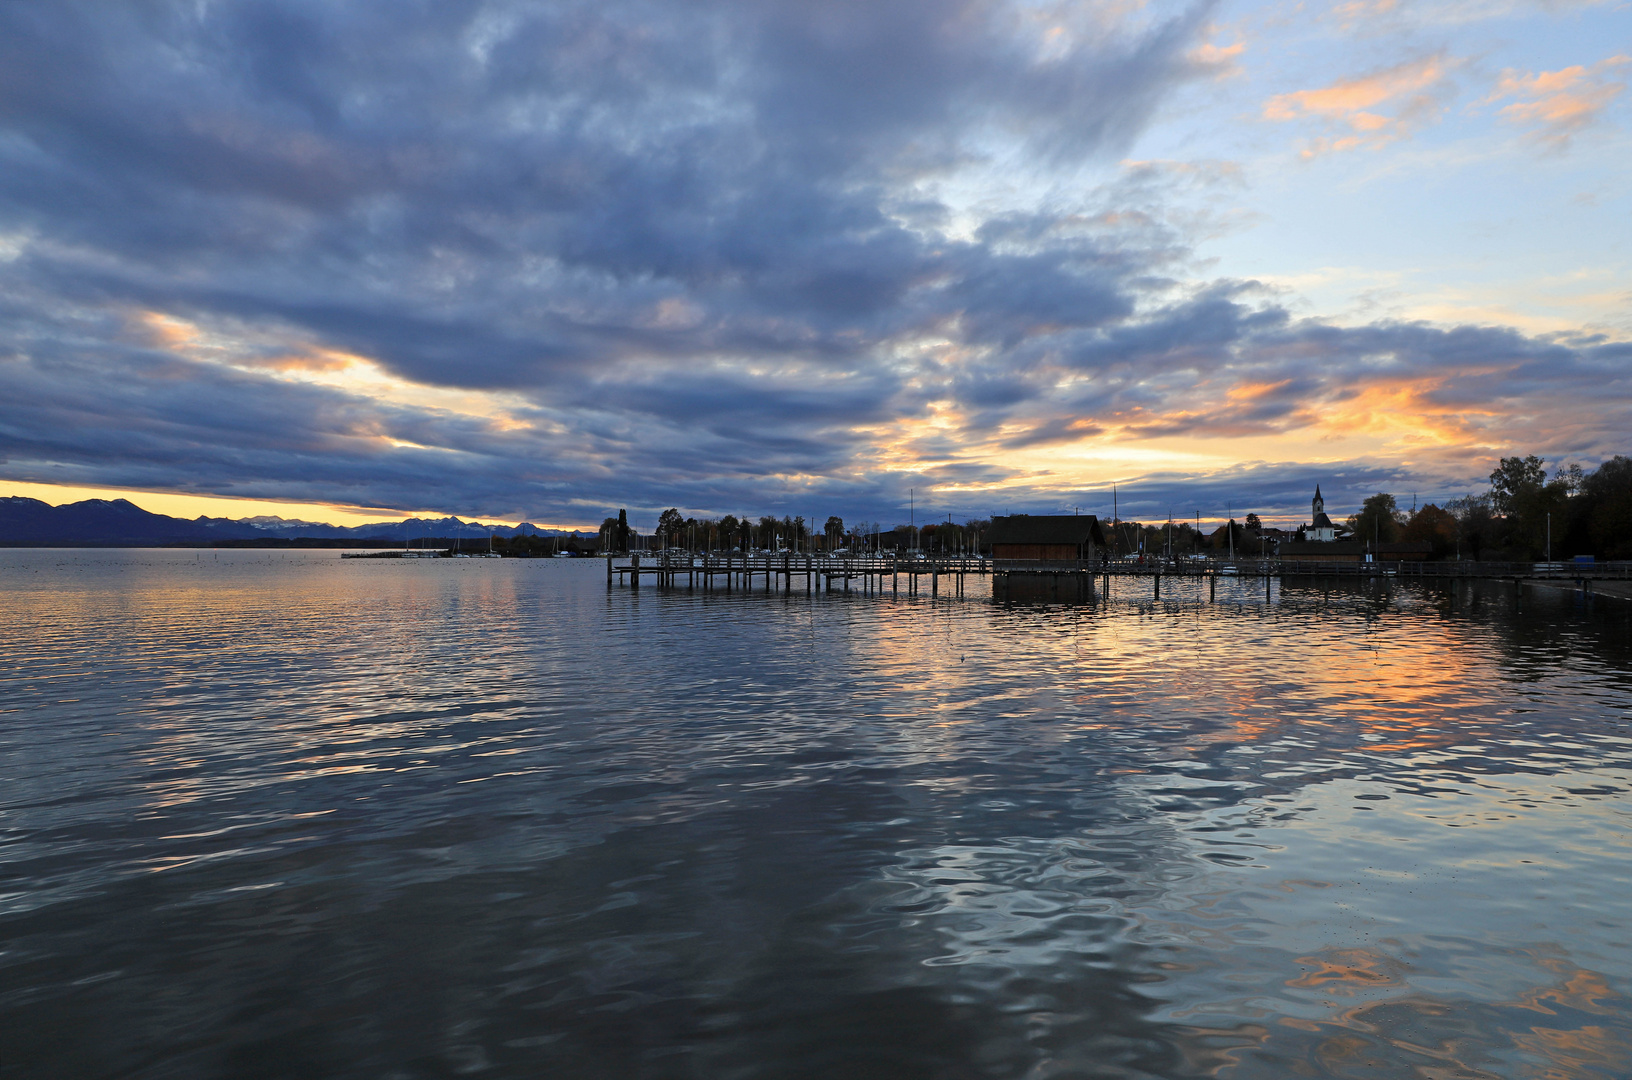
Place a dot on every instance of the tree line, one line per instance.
(1524, 514)
(787, 533)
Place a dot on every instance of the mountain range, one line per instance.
(115, 522)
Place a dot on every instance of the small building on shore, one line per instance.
(1045, 538)
(1320, 529)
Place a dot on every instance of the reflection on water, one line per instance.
(279, 815)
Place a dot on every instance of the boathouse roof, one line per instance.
(1073, 529)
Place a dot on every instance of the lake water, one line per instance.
(279, 815)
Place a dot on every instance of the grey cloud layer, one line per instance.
(704, 241)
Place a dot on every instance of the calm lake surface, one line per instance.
(279, 815)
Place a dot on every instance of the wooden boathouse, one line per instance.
(1045, 538)
(1045, 556)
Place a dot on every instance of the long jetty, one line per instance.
(1065, 581)
(741, 570)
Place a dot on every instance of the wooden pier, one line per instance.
(778, 571)
(1065, 582)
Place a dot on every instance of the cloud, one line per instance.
(1558, 105)
(1393, 14)
(544, 260)
(1224, 61)
(1368, 111)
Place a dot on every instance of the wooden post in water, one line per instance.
(1212, 587)
(1158, 580)
(609, 570)
(634, 569)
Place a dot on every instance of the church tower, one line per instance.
(1321, 529)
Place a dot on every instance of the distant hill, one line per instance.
(120, 522)
(104, 521)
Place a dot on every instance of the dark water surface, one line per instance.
(278, 815)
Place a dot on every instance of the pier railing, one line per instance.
(743, 569)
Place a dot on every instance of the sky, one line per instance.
(542, 261)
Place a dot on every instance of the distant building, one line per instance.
(1320, 529)
(1045, 538)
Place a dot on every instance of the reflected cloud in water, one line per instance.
(364, 818)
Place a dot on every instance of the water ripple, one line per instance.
(275, 814)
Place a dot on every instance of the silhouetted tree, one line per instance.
(1607, 497)
(1475, 525)
(1512, 478)
(1431, 524)
(1378, 520)
(1535, 512)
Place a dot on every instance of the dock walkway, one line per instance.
(781, 569)
(1063, 580)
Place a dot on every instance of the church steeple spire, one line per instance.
(1319, 503)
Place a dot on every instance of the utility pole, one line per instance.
(1116, 517)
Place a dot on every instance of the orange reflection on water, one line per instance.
(1575, 1052)
(1581, 990)
(1450, 1037)
(1343, 972)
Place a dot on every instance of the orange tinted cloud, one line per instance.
(1558, 104)
(1223, 61)
(1369, 110)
